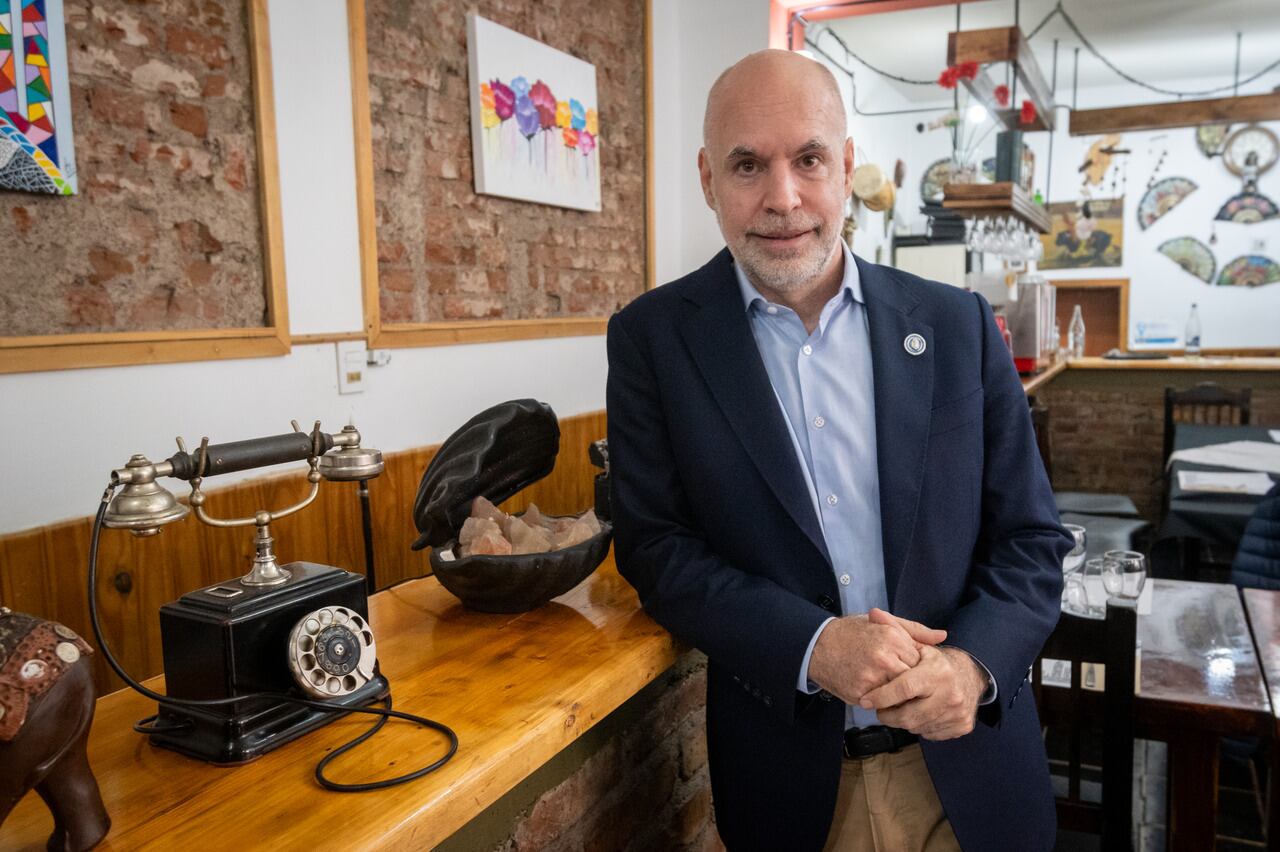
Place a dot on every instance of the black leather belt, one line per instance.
(876, 739)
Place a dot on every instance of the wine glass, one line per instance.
(1124, 573)
(1075, 557)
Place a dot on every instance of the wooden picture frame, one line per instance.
(451, 332)
(107, 349)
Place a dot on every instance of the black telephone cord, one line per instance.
(146, 725)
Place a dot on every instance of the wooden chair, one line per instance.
(1207, 402)
(1076, 712)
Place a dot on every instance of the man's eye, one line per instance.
(810, 160)
(747, 167)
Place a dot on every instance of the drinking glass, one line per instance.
(1075, 557)
(1124, 573)
(1091, 577)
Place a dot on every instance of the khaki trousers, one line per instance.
(887, 803)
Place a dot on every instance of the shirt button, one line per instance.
(832, 499)
(807, 349)
(819, 421)
(771, 309)
(845, 579)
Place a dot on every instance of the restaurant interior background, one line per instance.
(377, 238)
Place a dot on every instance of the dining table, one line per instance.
(1216, 520)
(1200, 679)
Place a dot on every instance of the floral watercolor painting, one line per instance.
(535, 132)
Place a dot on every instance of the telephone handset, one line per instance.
(254, 662)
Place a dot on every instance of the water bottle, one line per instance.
(1193, 333)
(1075, 334)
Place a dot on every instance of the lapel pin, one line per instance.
(914, 344)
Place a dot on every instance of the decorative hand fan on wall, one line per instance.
(1249, 270)
(1248, 208)
(1162, 197)
(1192, 255)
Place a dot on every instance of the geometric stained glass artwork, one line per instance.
(36, 150)
(1192, 255)
(1250, 270)
(1247, 208)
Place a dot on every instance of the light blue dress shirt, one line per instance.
(824, 385)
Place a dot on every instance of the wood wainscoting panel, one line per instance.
(43, 570)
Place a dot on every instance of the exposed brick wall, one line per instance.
(1107, 427)
(445, 253)
(641, 786)
(165, 233)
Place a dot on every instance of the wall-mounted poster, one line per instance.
(1080, 238)
(36, 154)
(535, 132)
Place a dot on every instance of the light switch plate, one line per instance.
(351, 366)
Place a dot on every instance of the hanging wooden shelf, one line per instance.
(988, 200)
(1242, 109)
(1005, 44)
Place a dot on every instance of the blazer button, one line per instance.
(825, 696)
(768, 702)
(827, 603)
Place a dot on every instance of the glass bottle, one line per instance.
(1193, 333)
(1075, 334)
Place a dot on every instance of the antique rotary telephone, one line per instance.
(255, 662)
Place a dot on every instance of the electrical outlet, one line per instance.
(351, 366)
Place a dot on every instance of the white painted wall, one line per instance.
(66, 430)
(693, 42)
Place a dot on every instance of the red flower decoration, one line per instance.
(1027, 115)
(967, 70)
(949, 78)
(1002, 95)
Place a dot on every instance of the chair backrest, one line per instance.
(1207, 402)
(1078, 710)
(1040, 423)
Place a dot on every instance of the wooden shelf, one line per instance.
(984, 200)
(1243, 109)
(1006, 44)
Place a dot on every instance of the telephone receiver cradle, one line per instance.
(300, 629)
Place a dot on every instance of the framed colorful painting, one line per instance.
(535, 131)
(36, 150)
(1083, 236)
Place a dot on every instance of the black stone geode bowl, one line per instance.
(493, 455)
(519, 583)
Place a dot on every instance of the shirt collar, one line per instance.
(850, 283)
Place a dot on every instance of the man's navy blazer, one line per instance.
(715, 528)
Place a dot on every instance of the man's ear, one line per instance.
(704, 174)
(848, 166)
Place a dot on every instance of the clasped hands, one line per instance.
(895, 666)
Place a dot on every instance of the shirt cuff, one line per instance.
(803, 683)
(989, 694)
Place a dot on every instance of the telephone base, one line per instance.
(227, 640)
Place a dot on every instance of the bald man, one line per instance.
(824, 477)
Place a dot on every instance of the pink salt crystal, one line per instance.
(473, 528)
(533, 516)
(575, 534)
(527, 539)
(491, 543)
(482, 508)
(589, 518)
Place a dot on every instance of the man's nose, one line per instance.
(782, 193)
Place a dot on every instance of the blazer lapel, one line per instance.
(904, 398)
(719, 338)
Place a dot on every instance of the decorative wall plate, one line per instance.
(1211, 137)
(1248, 208)
(1249, 270)
(1192, 255)
(1254, 141)
(935, 177)
(1162, 197)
